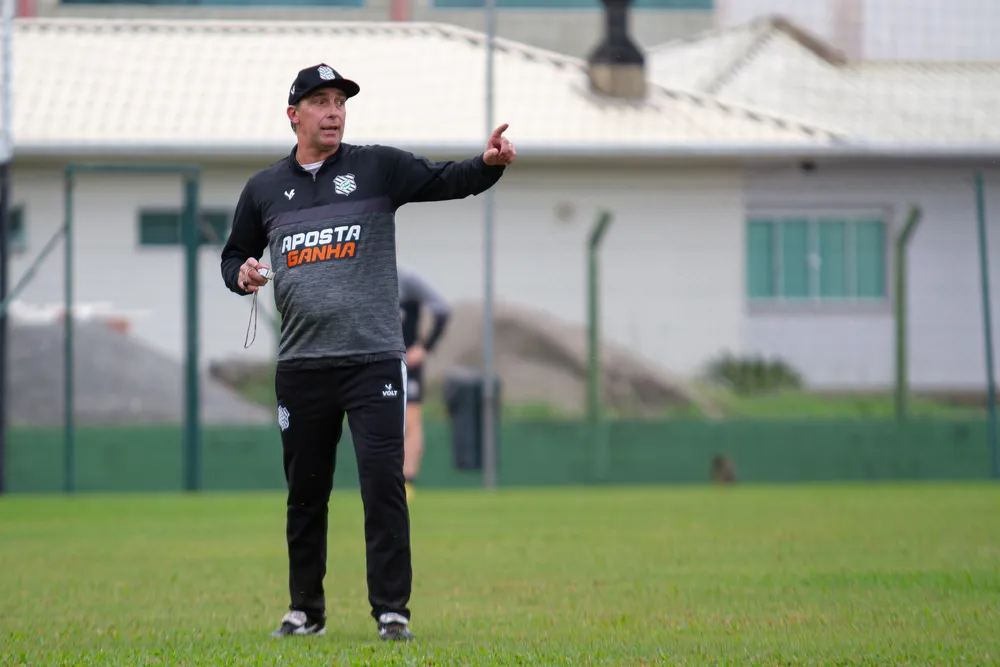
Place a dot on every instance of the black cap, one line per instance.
(320, 76)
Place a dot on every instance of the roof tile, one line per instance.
(113, 82)
(767, 65)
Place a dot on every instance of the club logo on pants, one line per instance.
(321, 246)
(283, 417)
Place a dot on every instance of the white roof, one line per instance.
(773, 65)
(224, 85)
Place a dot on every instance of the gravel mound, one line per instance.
(117, 379)
(540, 359)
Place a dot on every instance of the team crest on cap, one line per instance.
(344, 184)
(326, 73)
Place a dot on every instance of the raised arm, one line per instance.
(417, 179)
(247, 241)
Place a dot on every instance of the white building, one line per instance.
(566, 26)
(801, 313)
(955, 30)
(925, 30)
(674, 168)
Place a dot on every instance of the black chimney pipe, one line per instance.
(616, 48)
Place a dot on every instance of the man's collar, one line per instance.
(293, 161)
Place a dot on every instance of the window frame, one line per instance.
(706, 6)
(144, 211)
(814, 213)
(267, 4)
(17, 244)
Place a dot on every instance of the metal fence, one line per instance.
(74, 421)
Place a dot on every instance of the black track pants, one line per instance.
(311, 409)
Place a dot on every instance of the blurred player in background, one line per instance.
(415, 293)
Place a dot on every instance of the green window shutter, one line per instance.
(795, 267)
(159, 228)
(833, 259)
(667, 5)
(870, 258)
(760, 259)
(17, 233)
(164, 227)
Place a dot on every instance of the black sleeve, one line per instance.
(416, 179)
(246, 239)
(440, 322)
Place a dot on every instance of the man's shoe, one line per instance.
(394, 628)
(297, 623)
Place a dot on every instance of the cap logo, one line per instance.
(326, 73)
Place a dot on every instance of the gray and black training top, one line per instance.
(331, 232)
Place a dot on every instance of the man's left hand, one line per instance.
(415, 355)
(499, 151)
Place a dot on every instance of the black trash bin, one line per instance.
(463, 397)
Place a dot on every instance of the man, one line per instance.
(327, 214)
(414, 294)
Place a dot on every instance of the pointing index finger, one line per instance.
(497, 132)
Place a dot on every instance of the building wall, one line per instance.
(672, 260)
(110, 267)
(574, 29)
(848, 347)
(938, 30)
(949, 30)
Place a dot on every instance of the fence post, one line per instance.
(984, 271)
(901, 296)
(192, 242)
(191, 239)
(598, 432)
(5, 174)
(69, 438)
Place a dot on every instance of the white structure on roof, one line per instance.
(774, 65)
(711, 250)
(895, 30)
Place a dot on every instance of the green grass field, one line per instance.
(823, 575)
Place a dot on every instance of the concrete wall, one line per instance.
(844, 347)
(144, 283)
(570, 31)
(672, 263)
(942, 30)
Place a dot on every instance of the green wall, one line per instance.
(544, 452)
